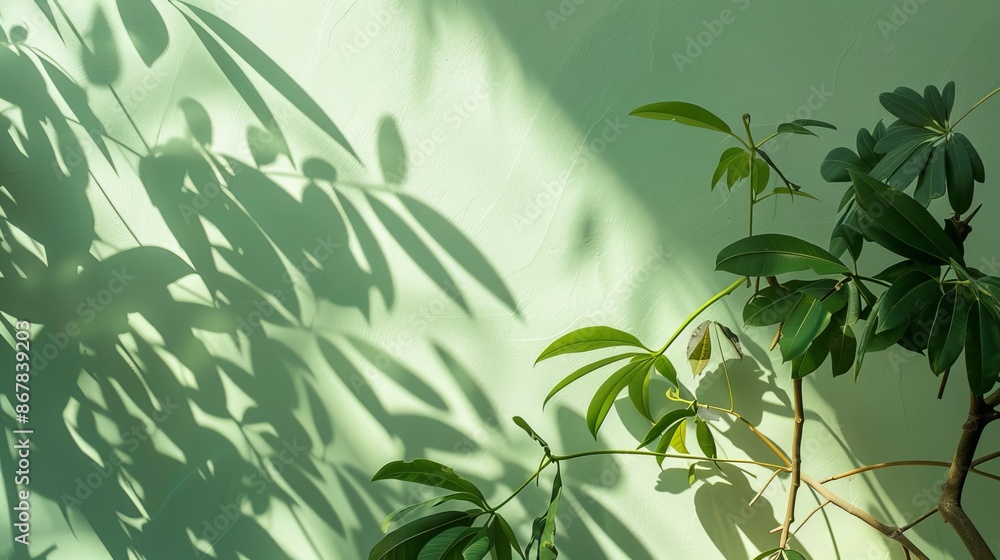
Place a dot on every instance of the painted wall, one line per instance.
(513, 123)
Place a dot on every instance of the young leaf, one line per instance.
(706, 441)
(666, 440)
(679, 440)
(428, 473)
(408, 540)
(728, 159)
(982, 360)
(663, 424)
(771, 254)
(145, 28)
(905, 221)
(806, 321)
(521, 423)
(761, 176)
(683, 113)
(666, 369)
(584, 371)
(906, 299)
(605, 397)
(587, 339)
(700, 348)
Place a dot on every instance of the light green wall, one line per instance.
(584, 231)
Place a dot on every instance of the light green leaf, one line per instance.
(408, 540)
(913, 232)
(638, 393)
(587, 339)
(547, 543)
(665, 422)
(706, 441)
(699, 348)
(683, 113)
(428, 473)
(667, 439)
(772, 254)
(605, 397)
(585, 370)
(761, 175)
(666, 369)
(806, 321)
(906, 299)
(728, 159)
(679, 440)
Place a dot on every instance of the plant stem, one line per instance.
(950, 504)
(559, 458)
(767, 441)
(888, 530)
(918, 520)
(545, 463)
(793, 489)
(877, 466)
(973, 108)
(732, 287)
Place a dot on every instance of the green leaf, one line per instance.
(866, 149)
(853, 304)
(935, 105)
(504, 539)
(447, 541)
(584, 371)
(761, 175)
(699, 348)
(272, 73)
(770, 306)
(948, 95)
(409, 539)
(638, 393)
(911, 167)
(679, 438)
(428, 473)
(198, 121)
(665, 422)
(866, 338)
(806, 321)
(739, 170)
(521, 423)
(101, 65)
(404, 512)
(947, 334)
(904, 105)
(814, 123)
(931, 183)
(813, 357)
(958, 168)
(145, 28)
(768, 554)
(982, 360)
(914, 233)
(728, 159)
(706, 441)
(587, 339)
(793, 128)
(978, 170)
(667, 439)
(771, 254)
(692, 471)
(547, 542)
(683, 113)
(793, 555)
(839, 163)
(479, 546)
(605, 397)
(906, 299)
(904, 137)
(843, 346)
(666, 369)
(731, 337)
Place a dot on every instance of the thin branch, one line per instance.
(918, 520)
(763, 488)
(558, 458)
(868, 468)
(793, 489)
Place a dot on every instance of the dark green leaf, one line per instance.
(145, 28)
(911, 167)
(684, 113)
(772, 254)
(408, 540)
(866, 149)
(908, 224)
(906, 107)
(935, 105)
(978, 170)
(793, 555)
(931, 183)
(447, 543)
(948, 96)
(665, 422)
(605, 397)
(101, 64)
(547, 542)
(838, 164)
(958, 168)
(768, 554)
(871, 327)
(401, 514)
(813, 357)
(587, 339)
(428, 473)
(761, 176)
(792, 128)
(806, 321)
(504, 538)
(699, 348)
(478, 547)
(706, 441)
(843, 346)
(982, 360)
(906, 299)
(584, 371)
(814, 122)
(947, 333)
(272, 73)
(198, 121)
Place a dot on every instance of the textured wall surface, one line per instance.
(513, 125)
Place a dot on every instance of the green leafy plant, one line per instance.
(821, 308)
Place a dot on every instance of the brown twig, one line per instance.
(796, 462)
